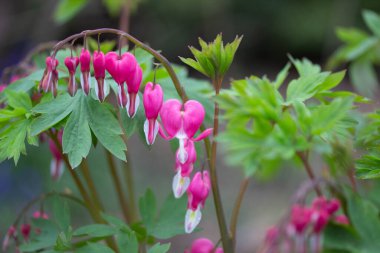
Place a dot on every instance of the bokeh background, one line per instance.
(271, 28)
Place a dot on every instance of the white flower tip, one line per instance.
(146, 131)
(56, 169)
(192, 219)
(180, 184)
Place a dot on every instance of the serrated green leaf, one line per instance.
(18, 99)
(95, 230)
(159, 248)
(12, 140)
(94, 248)
(127, 242)
(67, 9)
(372, 20)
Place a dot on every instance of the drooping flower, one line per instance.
(133, 82)
(342, 219)
(152, 100)
(300, 218)
(120, 67)
(332, 206)
(99, 63)
(198, 191)
(25, 231)
(72, 64)
(320, 219)
(56, 164)
(203, 245)
(11, 234)
(182, 122)
(50, 77)
(85, 77)
(181, 180)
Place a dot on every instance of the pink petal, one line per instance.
(171, 116)
(204, 134)
(194, 114)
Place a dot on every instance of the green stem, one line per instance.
(309, 171)
(131, 189)
(90, 183)
(119, 190)
(235, 212)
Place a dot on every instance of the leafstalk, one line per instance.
(236, 210)
(309, 171)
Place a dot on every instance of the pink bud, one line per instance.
(72, 64)
(320, 219)
(40, 215)
(152, 100)
(50, 77)
(99, 63)
(25, 231)
(202, 245)
(341, 219)
(133, 83)
(11, 234)
(271, 236)
(85, 62)
(332, 206)
(2, 87)
(300, 218)
(197, 192)
(320, 203)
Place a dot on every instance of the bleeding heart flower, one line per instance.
(320, 219)
(56, 165)
(50, 77)
(72, 64)
(99, 63)
(300, 218)
(152, 100)
(133, 83)
(182, 122)
(201, 245)
(341, 219)
(332, 206)
(25, 231)
(198, 191)
(40, 215)
(85, 78)
(181, 180)
(11, 234)
(120, 67)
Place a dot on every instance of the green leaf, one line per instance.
(127, 242)
(282, 76)
(147, 205)
(171, 218)
(372, 20)
(53, 112)
(94, 248)
(67, 9)
(95, 230)
(106, 128)
(61, 213)
(363, 77)
(159, 248)
(113, 6)
(76, 140)
(18, 99)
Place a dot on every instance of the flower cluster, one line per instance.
(203, 245)
(25, 231)
(305, 226)
(124, 69)
(182, 121)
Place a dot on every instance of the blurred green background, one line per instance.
(271, 29)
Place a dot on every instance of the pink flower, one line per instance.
(72, 64)
(197, 192)
(341, 219)
(56, 165)
(2, 87)
(152, 100)
(40, 215)
(11, 234)
(25, 231)
(99, 63)
(300, 218)
(332, 206)
(203, 245)
(181, 180)
(133, 83)
(320, 219)
(49, 79)
(182, 122)
(85, 77)
(120, 67)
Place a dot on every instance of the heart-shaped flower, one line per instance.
(133, 82)
(152, 99)
(50, 77)
(71, 65)
(99, 63)
(85, 78)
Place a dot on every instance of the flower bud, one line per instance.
(99, 63)
(72, 64)
(152, 100)
(85, 78)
